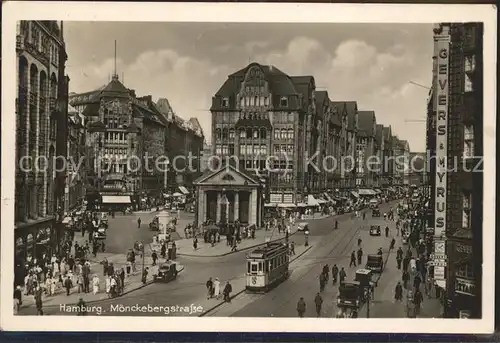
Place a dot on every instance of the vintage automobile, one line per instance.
(376, 212)
(100, 233)
(303, 227)
(166, 272)
(350, 294)
(154, 225)
(364, 277)
(375, 230)
(375, 263)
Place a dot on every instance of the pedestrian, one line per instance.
(428, 287)
(145, 275)
(318, 300)
(80, 283)
(18, 296)
(154, 257)
(398, 261)
(38, 300)
(398, 292)
(216, 286)
(122, 276)
(387, 231)
(406, 262)
(227, 292)
(417, 281)
(335, 273)
(359, 241)
(195, 243)
(292, 248)
(163, 250)
(342, 275)
(209, 286)
(95, 284)
(301, 307)
(360, 256)
(418, 299)
(68, 284)
(405, 277)
(322, 282)
(81, 307)
(139, 222)
(105, 266)
(353, 259)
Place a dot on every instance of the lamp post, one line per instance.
(368, 295)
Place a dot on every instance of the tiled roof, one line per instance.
(379, 134)
(366, 121)
(97, 126)
(349, 108)
(322, 100)
(387, 133)
(115, 89)
(279, 82)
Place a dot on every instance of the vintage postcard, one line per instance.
(221, 164)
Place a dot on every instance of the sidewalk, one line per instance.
(239, 285)
(132, 282)
(185, 246)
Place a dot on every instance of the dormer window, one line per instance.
(225, 102)
(284, 101)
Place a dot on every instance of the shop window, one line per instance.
(465, 270)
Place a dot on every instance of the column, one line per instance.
(218, 207)
(236, 205)
(201, 206)
(253, 208)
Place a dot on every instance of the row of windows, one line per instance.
(255, 101)
(253, 149)
(115, 151)
(115, 137)
(283, 149)
(249, 133)
(283, 117)
(116, 168)
(284, 134)
(40, 41)
(263, 267)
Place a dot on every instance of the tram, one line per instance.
(267, 266)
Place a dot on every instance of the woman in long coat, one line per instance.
(216, 288)
(95, 284)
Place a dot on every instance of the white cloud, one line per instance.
(353, 70)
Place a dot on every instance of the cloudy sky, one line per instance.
(188, 62)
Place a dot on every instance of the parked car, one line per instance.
(375, 230)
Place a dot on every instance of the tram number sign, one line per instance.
(254, 280)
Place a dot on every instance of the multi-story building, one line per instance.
(387, 171)
(41, 114)
(182, 139)
(125, 134)
(379, 153)
(75, 172)
(397, 161)
(348, 113)
(365, 148)
(458, 107)
(417, 173)
(405, 146)
(259, 112)
(330, 151)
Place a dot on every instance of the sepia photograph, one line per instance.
(316, 171)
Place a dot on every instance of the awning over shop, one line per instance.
(441, 283)
(311, 201)
(355, 194)
(367, 191)
(321, 201)
(286, 205)
(183, 190)
(177, 194)
(301, 204)
(270, 205)
(116, 199)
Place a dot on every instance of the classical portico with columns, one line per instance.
(228, 194)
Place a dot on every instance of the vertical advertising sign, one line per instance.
(441, 45)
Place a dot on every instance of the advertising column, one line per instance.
(441, 50)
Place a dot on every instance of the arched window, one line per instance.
(43, 84)
(225, 133)
(277, 134)
(34, 79)
(42, 113)
(231, 133)
(256, 99)
(218, 134)
(283, 133)
(243, 133)
(53, 86)
(242, 101)
(263, 133)
(255, 133)
(290, 134)
(249, 133)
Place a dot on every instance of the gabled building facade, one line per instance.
(365, 148)
(259, 112)
(387, 171)
(379, 153)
